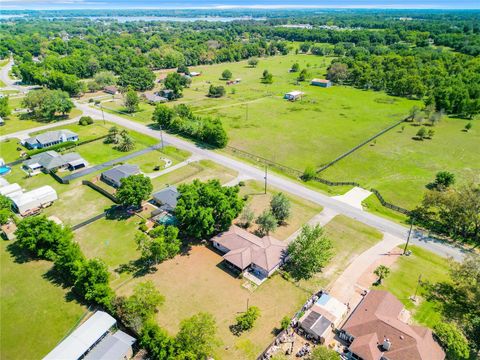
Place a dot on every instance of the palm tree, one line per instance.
(127, 143)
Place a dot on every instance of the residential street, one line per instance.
(281, 183)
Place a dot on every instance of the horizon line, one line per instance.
(245, 7)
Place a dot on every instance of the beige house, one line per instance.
(246, 251)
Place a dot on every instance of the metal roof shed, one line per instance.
(112, 347)
(82, 338)
(10, 189)
(34, 199)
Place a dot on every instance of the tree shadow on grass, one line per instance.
(119, 213)
(19, 255)
(138, 268)
(57, 278)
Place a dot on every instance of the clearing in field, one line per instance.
(35, 313)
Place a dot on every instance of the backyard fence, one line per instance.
(65, 146)
(363, 143)
(100, 190)
(58, 178)
(89, 221)
(16, 162)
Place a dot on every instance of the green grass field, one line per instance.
(35, 315)
(403, 280)
(400, 167)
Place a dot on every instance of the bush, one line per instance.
(309, 173)
(85, 120)
(246, 320)
(216, 91)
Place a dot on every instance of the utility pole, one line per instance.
(416, 288)
(103, 115)
(161, 136)
(266, 173)
(408, 238)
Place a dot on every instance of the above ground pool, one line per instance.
(4, 169)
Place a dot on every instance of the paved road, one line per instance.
(284, 184)
(11, 84)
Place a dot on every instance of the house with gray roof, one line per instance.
(154, 98)
(114, 176)
(50, 138)
(52, 160)
(166, 199)
(116, 346)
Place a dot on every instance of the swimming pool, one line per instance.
(165, 219)
(4, 169)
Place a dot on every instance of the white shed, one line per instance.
(34, 199)
(10, 189)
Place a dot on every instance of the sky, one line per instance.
(227, 4)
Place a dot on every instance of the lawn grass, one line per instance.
(203, 170)
(8, 150)
(113, 241)
(301, 210)
(35, 314)
(197, 282)
(349, 238)
(148, 162)
(403, 280)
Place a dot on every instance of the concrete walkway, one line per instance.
(322, 219)
(239, 178)
(354, 197)
(191, 159)
(345, 286)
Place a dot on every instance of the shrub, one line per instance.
(309, 173)
(85, 120)
(246, 320)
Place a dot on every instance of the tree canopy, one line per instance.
(206, 208)
(309, 252)
(134, 190)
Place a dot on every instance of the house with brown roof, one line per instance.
(245, 251)
(375, 331)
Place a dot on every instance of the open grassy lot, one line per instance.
(112, 240)
(400, 167)
(148, 162)
(203, 170)
(35, 314)
(8, 150)
(197, 282)
(349, 239)
(301, 210)
(403, 280)
(18, 121)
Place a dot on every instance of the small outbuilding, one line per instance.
(294, 95)
(154, 98)
(321, 82)
(29, 202)
(116, 346)
(112, 90)
(10, 189)
(114, 176)
(194, 73)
